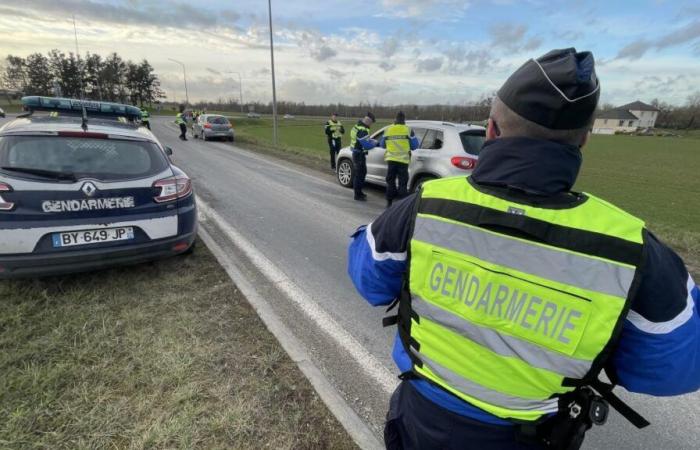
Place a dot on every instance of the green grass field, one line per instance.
(655, 178)
(160, 355)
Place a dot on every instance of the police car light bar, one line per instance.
(56, 104)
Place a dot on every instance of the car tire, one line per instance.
(420, 180)
(230, 139)
(345, 172)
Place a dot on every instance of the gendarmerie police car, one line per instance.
(82, 188)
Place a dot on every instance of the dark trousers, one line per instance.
(183, 131)
(414, 422)
(359, 160)
(147, 124)
(396, 170)
(334, 147)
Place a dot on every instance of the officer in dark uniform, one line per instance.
(334, 130)
(515, 292)
(361, 143)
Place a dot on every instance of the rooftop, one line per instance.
(638, 106)
(617, 114)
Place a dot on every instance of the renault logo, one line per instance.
(88, 189)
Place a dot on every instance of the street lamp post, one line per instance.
(184, 74)
(272, 64)
(240, 87)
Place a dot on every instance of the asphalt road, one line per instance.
(301, 220)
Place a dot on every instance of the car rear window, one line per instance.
(218, 120)
(472, 140)
(103, 159)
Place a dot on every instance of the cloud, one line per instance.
(387, 66)
(323, 53)
(636, 49)
(173, 15)
(425, 10)
(335, 74)
(389, 47)
(513, 38)
(429, 64)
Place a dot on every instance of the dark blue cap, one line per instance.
(559, 90)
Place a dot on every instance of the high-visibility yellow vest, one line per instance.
(335, 129)
(398, 144)
(353, 136)
(145, 115)
(179, 119)
(510, 305)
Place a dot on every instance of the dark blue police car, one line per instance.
(82, 187)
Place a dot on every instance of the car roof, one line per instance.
(38, 123)
(444, 125)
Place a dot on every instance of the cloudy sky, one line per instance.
(389, 51)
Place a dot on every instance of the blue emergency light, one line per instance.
(93, 108)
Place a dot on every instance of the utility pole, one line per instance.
(184, 74)
(77, 60)
(240, 87)
(272, 63)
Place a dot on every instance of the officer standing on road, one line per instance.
(361, 143)
(334, 131)
(145, 118)
(516, 292)
(398, 140)
(180, 121)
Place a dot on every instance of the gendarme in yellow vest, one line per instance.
(398, 145)
(508, 321)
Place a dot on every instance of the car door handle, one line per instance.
(420, 158)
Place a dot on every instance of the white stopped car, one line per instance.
(445, 149)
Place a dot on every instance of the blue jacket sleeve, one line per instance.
(659, 349)
(377, 254)
(413, 141)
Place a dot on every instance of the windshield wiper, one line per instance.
(54, 174)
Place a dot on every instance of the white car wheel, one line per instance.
(345, 173)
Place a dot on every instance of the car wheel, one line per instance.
(230, 139)
(419, 182)
(345, 172)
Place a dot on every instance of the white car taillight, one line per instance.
(4, 204)
(172, 188)
(463, 162)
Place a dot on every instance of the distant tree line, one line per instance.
(679, 117)
(93, 77)
(471, 112)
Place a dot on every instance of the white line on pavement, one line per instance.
(364, 359)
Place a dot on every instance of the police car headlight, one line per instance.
(172, 188)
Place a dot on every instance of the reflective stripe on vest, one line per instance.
(335, 129)
(353, 136)
(178, 119)
(508, 321)
(398, 145)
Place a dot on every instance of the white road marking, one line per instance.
(364, 359)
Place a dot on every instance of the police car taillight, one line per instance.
(172, 188)
(4, 204)
(463, 162)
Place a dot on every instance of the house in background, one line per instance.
(626, 118)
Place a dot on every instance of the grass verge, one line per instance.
(161, 355)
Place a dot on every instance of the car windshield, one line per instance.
(103, 159)
(218, 120)
(472, 140)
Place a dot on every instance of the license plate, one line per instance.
(71, 238)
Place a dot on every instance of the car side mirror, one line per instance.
(168, 151)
